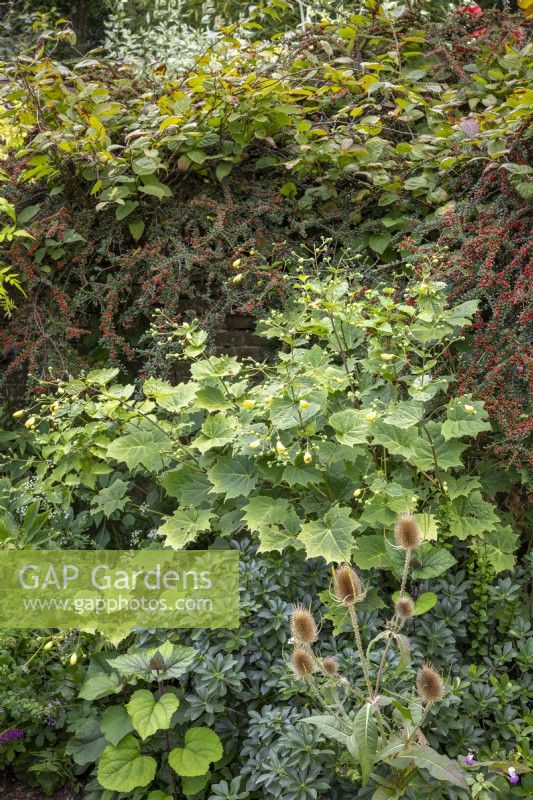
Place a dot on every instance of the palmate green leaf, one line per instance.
(122, 768)
(184, 526)
(405, 414)
(365, 734)
(141, 446)
(472, 516)
(233, 477)
(217, 431)
(149, 714)
(171, 398)
(438, 766)
(212, 399)
(300, 474)
(428, 526)
(462, 486)
(101, 376)
(331, 537)
(464, 417)
(500, 546)
(263, 510)
(433, 561)
(202, 746)
(448, 454)
(115, 724)
(275, 521)
(350, 426)
(110, 499)
(371, 552)
(274, 537)
(461, 315)
(188, 484)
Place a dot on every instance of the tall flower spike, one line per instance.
(348, 589)
(303, 663)
(303, 626)
(407, 533)
(429, 684)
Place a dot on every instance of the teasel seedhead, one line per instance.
(348, 589)
(330, 667)
(404, 607)
(429, 684)
(407, 533)
(303, 626)
(303, 663)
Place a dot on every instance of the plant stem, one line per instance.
(362, 657)
(166, 746)
(405, 572)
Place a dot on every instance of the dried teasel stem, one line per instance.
(407, 564)
(359, 645)
(382, 665)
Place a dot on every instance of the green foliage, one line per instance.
(322, 448)
(8, 279)
(122, 764)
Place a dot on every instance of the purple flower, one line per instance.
(11, 735)
(469, 759)
(513, 777)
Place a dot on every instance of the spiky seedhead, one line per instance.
(404, 607)
(407, 533)
(303, 626)
(330, 666)
(303, 663)
(429, 684)
(348, 589)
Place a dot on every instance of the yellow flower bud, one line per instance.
(30, 423)
(48, 645)
(255, 444)
(358, 493)
(236, 263)
(386, 356)
(19, 413)
(73, 660)
(248, 403)
(280, 447)
(470, 409)
(237, 278)
(304, 404)
(307, 457)
(371, 416)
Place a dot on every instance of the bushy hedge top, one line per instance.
(142, 191)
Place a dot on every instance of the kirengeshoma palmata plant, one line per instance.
(376, 715)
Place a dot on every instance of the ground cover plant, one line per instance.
(272, 295)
